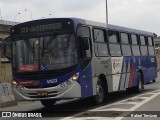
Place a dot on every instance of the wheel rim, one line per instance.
(140, 82)
(100, 93)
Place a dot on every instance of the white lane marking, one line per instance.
(103, 108)
(139, 104)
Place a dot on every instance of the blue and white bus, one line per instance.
(66, 58)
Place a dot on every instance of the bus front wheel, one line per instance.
(48, 103)
(100, 93)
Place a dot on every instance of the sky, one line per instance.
(137, 14)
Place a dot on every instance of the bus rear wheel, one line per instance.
(99, 98)
(154, 80)
(48, 103)
(140, 85)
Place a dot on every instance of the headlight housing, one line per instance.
(72, 79)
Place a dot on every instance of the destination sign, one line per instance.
(40, 26)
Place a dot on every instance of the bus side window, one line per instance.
(101, 48)
(151, 46)
(126, 49)
(135, 46)
(114, 43)
(143, 46)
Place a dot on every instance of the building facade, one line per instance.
(4, 31)
(5, 66)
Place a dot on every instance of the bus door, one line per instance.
(85, 54)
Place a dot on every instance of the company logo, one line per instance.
(6, 114)
(115, 65)
(152, 59)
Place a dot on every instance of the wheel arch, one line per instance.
(140, 71)
(103, 78)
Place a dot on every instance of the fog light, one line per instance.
(69, 82)
(62, 85)
(21, 87)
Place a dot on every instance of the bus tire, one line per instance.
(154, 80)
(99, 98)
(140, 85)
(48, 103)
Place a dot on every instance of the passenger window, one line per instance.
(144, 50)
(98, 35)
(143, 41)
(134, 39)
(114, 43)
(150, 41)
(126, 49)
(151, 46)
(135, 46)
(113, 36)
(101, 48)
(124, 38)
(151, 51)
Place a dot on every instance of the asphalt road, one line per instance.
(65, 109)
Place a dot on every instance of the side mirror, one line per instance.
(84, 43)
(6, 45)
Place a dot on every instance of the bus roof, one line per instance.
(78, 21)
(112, 27)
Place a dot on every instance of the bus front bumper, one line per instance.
(62, 91)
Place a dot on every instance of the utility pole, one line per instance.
(106, 13)
(0, 14)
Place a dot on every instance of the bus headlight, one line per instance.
(75, 77)
(72, 79)
(15, 84)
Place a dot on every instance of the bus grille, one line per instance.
(50, 94)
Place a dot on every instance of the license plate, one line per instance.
(42, 93)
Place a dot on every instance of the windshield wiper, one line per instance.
(46, 45)
(30, 48)
(49, 41)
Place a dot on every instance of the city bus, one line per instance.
(66, 58)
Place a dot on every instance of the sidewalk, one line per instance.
(23, 106)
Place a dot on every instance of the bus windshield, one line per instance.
(44, 53)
